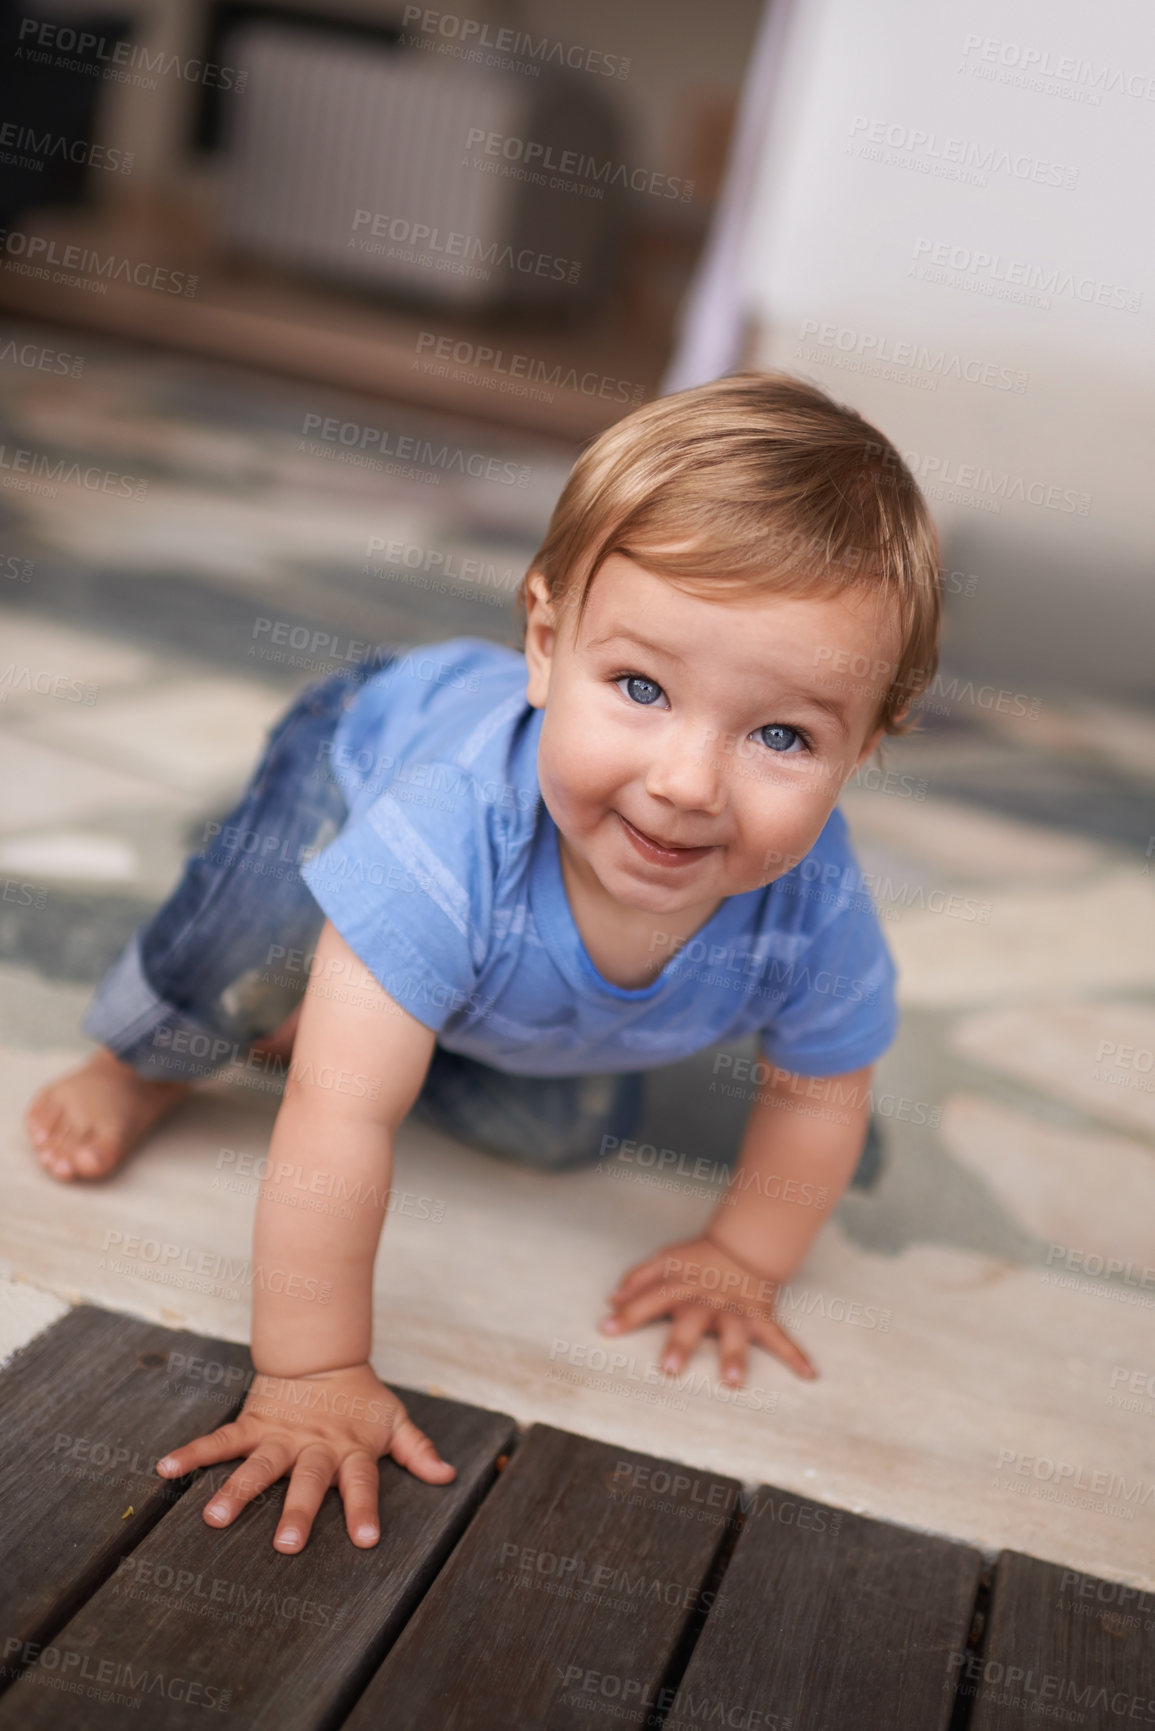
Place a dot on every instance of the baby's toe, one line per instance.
(55, 1162)
(92, 1158)
(47, 1132)
(41, 1120)
(61, 1144)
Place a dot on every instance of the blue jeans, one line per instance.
(224, 961)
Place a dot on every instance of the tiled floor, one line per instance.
(978, 1314)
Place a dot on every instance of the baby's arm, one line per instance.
(802, 1142)
(316, 1408)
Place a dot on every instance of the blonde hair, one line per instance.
(767, 484)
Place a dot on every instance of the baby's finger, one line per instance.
(732, 1350)
(634, 1279)
(690, 1324)
(358, 1480)
(312, 1476)
(224, 1444)
(264, 1467)
(655, 1301)
(412, 1449)
(776, 1340)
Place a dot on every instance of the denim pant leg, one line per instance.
(214, 969)
(550, 1122)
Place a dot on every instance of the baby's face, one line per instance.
(693, 749)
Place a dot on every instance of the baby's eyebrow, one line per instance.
(640, 642)
(827, 705)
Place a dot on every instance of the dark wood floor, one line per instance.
(557, 1583)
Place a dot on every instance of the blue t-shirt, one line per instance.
(446, 882)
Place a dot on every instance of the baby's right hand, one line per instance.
(331, 1424)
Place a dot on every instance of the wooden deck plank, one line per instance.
(570, 1590)
(200, 1619)
(1062, 1648)
(832, 1621)
(89, 1407)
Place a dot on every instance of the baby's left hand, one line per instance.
(705, 1291)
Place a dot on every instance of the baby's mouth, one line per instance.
(663, 852)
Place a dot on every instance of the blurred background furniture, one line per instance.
(322, 174)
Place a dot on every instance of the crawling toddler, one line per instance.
(499, 886)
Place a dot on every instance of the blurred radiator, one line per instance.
(352, 161)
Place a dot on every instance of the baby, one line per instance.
(498, 886)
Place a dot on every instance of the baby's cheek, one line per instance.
(593, 772)
(574, 797)
(576, 784)
(784, 836)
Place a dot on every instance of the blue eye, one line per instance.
(780, 738)
(641, 690)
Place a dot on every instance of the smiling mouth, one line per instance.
(661, 852)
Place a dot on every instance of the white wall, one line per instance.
(839, 240)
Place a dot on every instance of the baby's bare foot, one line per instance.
(84, 1124)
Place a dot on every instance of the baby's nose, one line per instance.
(689, 777)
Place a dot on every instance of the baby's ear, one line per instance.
(870, 746)
(537, 591)
(540, 633)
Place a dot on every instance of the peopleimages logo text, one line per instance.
(85, 262)
(472, 35)
(64, 39)
(994, 268)
(450, 245)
